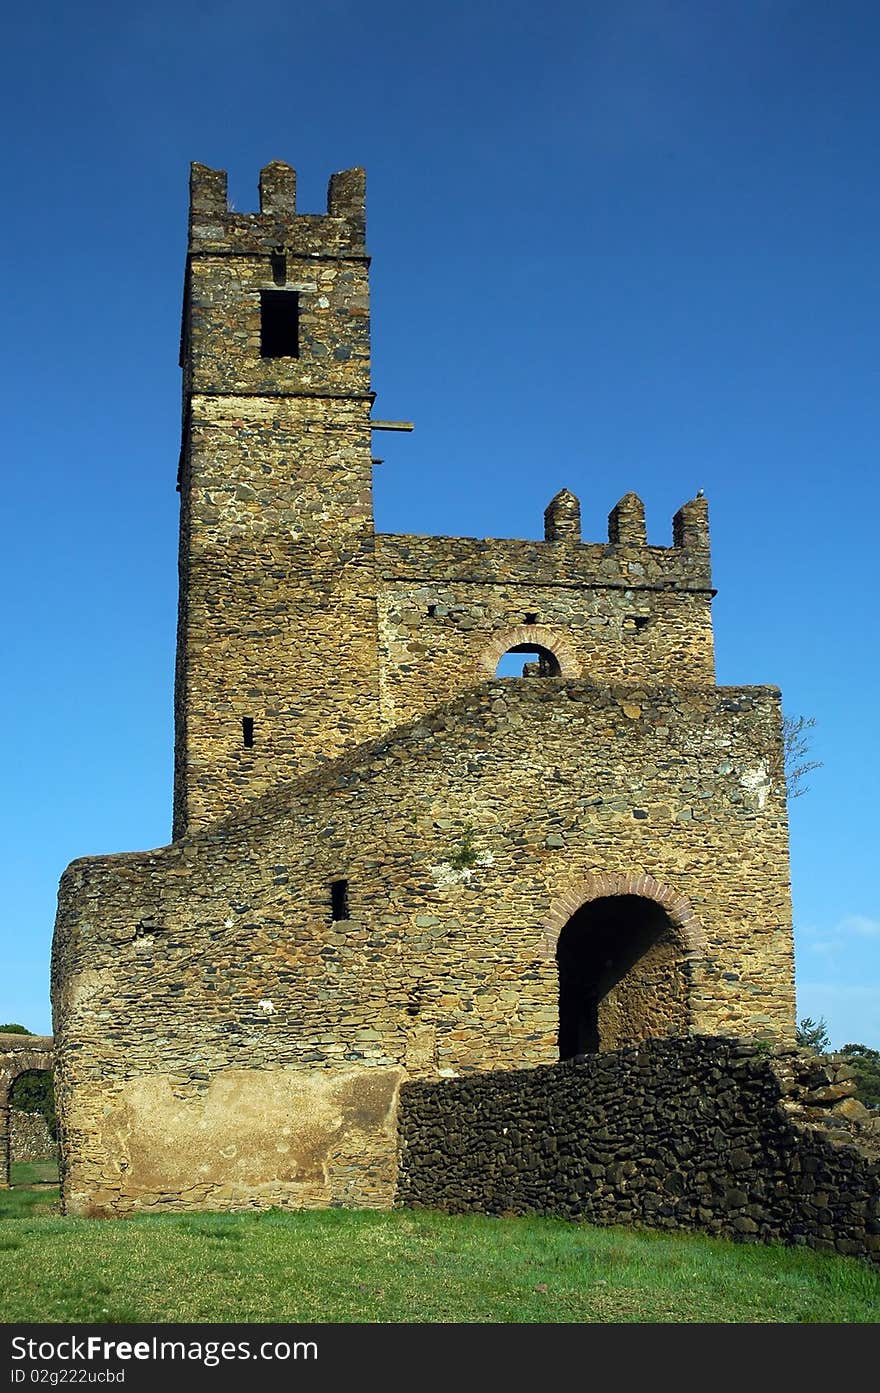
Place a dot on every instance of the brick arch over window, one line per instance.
(531, 636)
(679, 911)
(19, 1054)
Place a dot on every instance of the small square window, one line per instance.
(279, 324)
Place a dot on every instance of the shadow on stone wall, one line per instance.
(702, 1133)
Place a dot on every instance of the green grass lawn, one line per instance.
(34, 1172)
(344, 1265)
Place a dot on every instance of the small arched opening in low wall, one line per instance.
(19, 1054)
(625, 947)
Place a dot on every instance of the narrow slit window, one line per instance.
(247, 732)
(432, 611)
(339, 899)
(279, 324)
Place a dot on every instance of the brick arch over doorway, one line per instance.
(19, 1054)
(605, 883)
(530, 637)
(626, 948)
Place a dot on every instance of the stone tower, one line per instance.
(388, 862)
(277, 657)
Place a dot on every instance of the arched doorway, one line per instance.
(20, 1054)
(621, 975)
(33, 1129)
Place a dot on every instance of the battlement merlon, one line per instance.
(690, 527)
(215, 227)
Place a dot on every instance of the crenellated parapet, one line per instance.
(276, 302)
(338, 232)
(625, 561)
(612, 611)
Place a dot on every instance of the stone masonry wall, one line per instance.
(278, 612)
(377, 846)
(30, 1138)
(301, 633)
(277, 618)
(449, 607)
(189, 979)
(697, 1134)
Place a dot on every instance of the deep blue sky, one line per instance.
(617, 245)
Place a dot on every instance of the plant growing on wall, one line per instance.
(813, 1035)
(465, 856)
(866, 1063)
(795, 748)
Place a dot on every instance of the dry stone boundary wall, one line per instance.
(705, 1133)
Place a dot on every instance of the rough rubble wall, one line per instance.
(277, 620)
(218, 955)
(280, 619)
(652, 999)
(230, 259)
(449, 607)
(30, 1138)
(695, 1134)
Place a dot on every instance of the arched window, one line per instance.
(540, 662)
(529, 650)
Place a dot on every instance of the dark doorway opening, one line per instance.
(620, 976)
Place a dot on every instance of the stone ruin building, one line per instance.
(24, 1136)
(388, 864)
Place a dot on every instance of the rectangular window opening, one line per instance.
(531, 618)
(247, 732)
(279, 324)
(432, 611)
(339, 899)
